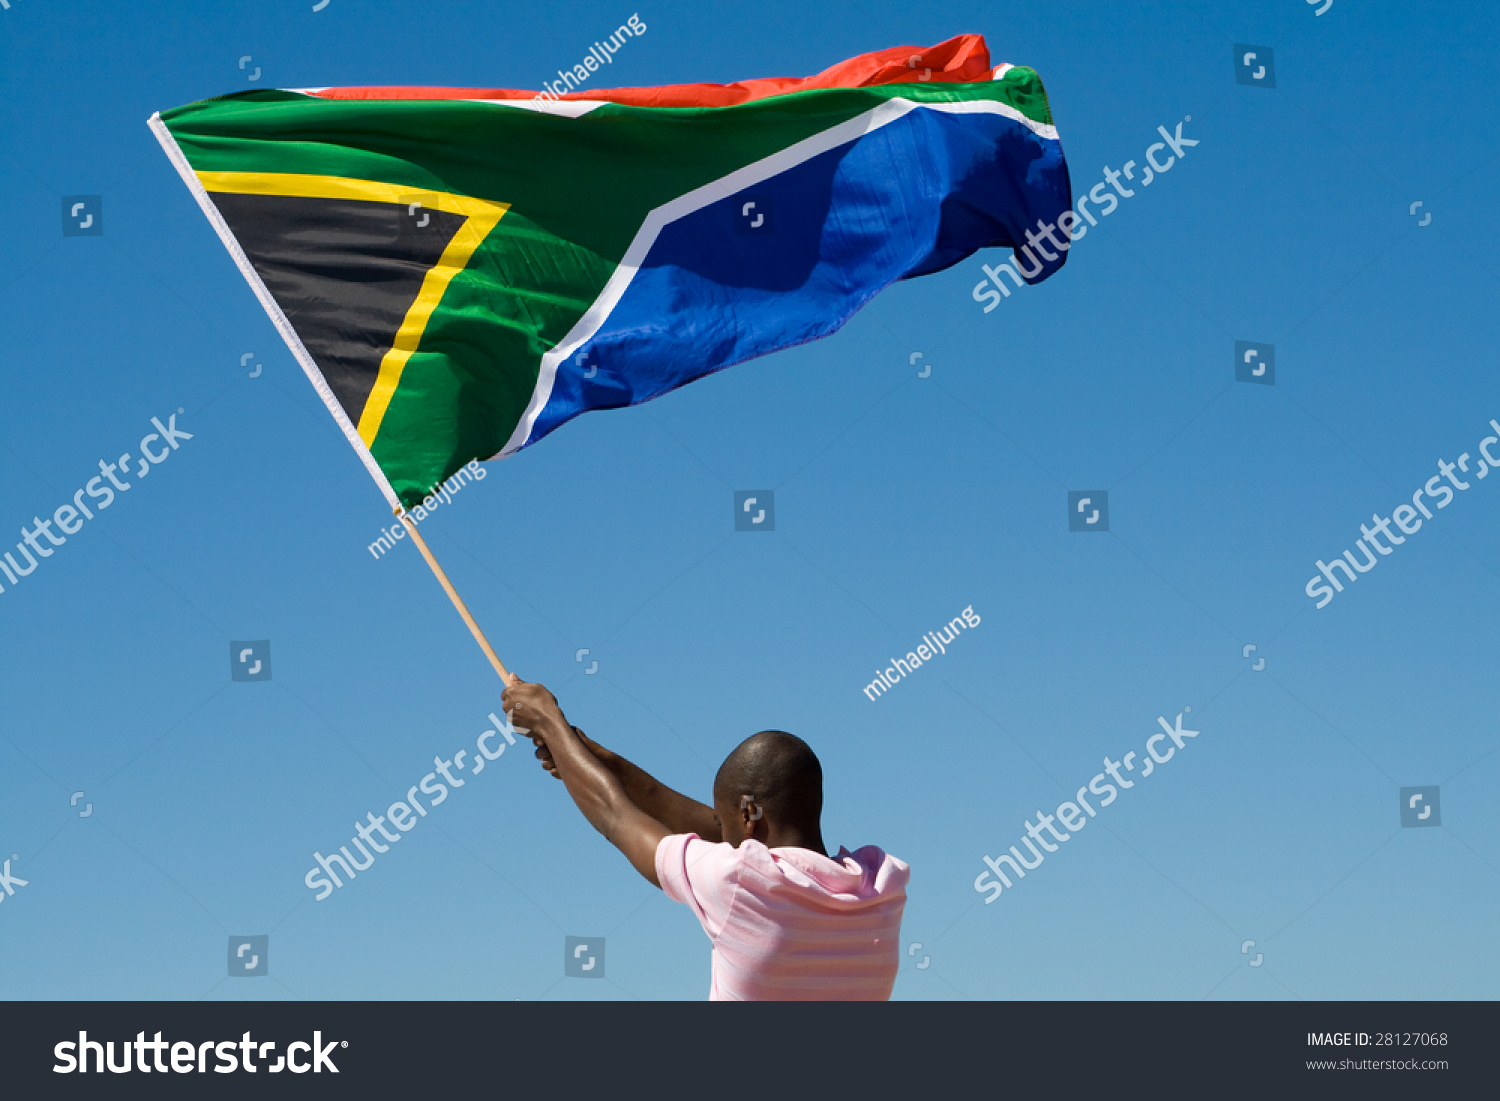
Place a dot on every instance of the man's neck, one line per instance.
(796, 837)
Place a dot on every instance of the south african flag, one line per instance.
(460, 271)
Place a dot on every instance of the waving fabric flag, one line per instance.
(461, 271)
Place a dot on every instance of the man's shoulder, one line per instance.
(697, 856)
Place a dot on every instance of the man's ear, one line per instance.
(752, 818)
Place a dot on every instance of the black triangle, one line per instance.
(344, 271)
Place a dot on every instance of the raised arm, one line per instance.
(596, 790)
(678, 812)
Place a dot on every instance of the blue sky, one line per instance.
(899, 500)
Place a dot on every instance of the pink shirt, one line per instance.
(787, 924)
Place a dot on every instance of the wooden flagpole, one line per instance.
(484, 643)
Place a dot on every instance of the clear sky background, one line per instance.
(900, 500)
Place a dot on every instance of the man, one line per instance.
(787, 921)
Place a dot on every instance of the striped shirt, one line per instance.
(788, 924)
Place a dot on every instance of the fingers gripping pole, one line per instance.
(484, 643)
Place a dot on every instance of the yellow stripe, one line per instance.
(342, 187)
(481, 216)
(455, 257)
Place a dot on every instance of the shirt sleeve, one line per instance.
(701, 875)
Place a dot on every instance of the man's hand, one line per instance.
(519, 699)
(532, 709)
(534, 699)
(544, 755)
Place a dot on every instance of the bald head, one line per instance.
(780, 772)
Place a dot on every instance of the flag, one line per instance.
(461, 271)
